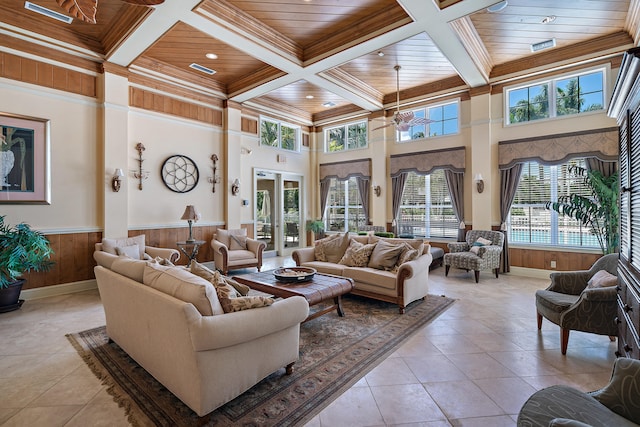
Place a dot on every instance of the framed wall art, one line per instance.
(24, 160)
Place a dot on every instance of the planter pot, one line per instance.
(10, 297)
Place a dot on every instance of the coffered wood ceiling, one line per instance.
(295, 55)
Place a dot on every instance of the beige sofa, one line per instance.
(108, 250)
(205, 360)
(408, 283)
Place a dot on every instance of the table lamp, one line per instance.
(192, 215)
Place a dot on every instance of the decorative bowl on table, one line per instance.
(294, 274)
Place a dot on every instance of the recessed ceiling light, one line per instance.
(548, 19)
(329, 104)
(202, 68)
(309, 96)
(498, 7)
(211, 56)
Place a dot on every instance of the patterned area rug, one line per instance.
(335, 352)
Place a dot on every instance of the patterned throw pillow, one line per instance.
(409, 254)
(231, 300)
(357, 254)
(320, 245)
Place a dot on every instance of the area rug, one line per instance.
(335, 352)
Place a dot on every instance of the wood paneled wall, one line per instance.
(40, 73)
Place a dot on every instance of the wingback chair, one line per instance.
(232, 250)
(471, 255)
(573, 303)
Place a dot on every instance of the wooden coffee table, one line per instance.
(322, 287)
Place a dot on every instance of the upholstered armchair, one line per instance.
(617, 404)
(232, 250)
(134, 247)
(480, 251)
(582, 300)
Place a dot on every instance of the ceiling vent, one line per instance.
(47, 12)
(543, 45)
(202, 68)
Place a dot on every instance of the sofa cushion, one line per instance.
(555, 301)
(183, 285)
(231, 300)
(110, 245)
(131, 251)
(129, 267)
(384, 255)
(602, 279)
(325, 267)
(414, 243)
(368, 275)
(357, 254)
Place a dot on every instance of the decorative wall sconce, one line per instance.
(479, 182)
(191, 215)
(376, 189)
(140, 174)
(235, 187)
(117, 179)
(213, 180)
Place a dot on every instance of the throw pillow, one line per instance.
(161, 261)
(132, 251)
(484, 241)
(334, 249)
(602, 279)
(202, 271)
(357, 254)
(109, 245)
(237, 242)
(231, 300)
(384, 255)
(181, 284)
(224, 236)
(408, 254)
(318, 247)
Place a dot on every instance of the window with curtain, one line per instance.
(530, 222)
(572, 94)
(279, 135)
(344, 207)
(444, 122)
(346, 137)
(426, 209)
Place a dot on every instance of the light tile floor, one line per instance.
(475, 365)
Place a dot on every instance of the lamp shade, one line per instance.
(191, 213)
(118, 172)
(478, 177)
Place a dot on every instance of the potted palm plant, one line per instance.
(316, 227)
(21, 250)
(598, 210)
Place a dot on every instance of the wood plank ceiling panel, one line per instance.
(296, 94)
(508, 35)
(183, 45)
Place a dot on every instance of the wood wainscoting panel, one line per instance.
(541, 259)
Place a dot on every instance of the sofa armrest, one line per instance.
(609, 293)
(416, 267)
(225, 330)
(566, 422)
(168, 253)
(255, 246)
(219, 247)
(104, 259)
(303, 255)
(458, 247)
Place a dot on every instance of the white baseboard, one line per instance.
(65, 288)
(530, 272)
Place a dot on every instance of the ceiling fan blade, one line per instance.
(421, 121)
(403, 127)
(144, 2)
(84, 10)
(406, 117)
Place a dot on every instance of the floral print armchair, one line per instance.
(476, 256)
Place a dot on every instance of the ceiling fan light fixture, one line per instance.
(498, 7)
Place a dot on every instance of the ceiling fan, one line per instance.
(85, 10)
(403, 121)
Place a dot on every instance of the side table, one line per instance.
(190, 249)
